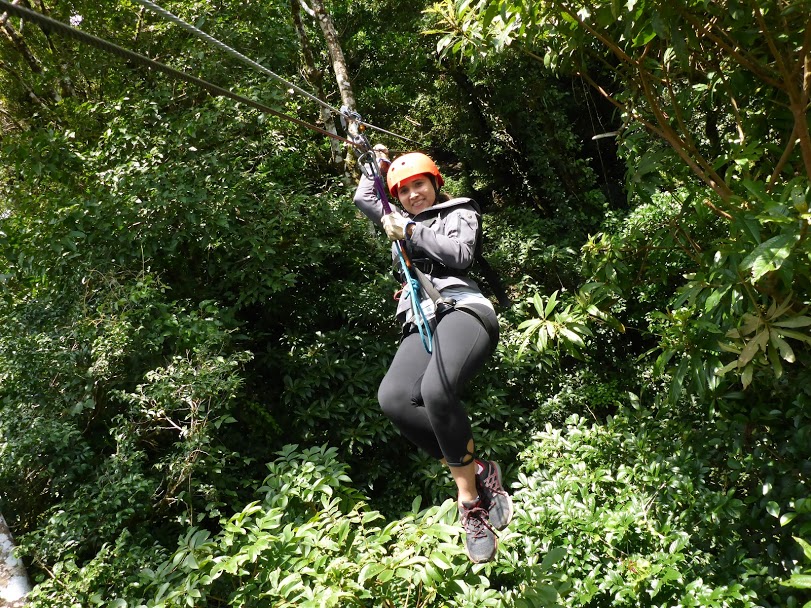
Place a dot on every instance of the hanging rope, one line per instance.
(234, 53)
(368, 164)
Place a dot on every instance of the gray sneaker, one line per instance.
(480, 539)
(494, 497)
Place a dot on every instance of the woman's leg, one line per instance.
(400, 398)
(420, 393)
(461, 346)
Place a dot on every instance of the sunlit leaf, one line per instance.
(769, 255)
(782, 346)
(752, 347)
(800, 321)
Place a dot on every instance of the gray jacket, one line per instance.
(445, 232)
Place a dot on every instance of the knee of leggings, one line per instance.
(392, 400)
(465, 460)
(438, 399)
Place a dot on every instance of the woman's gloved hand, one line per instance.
(396, 226)
(382, 156)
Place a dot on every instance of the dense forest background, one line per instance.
(195, 318)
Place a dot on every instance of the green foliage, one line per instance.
(801, 580)
(556, 330)
(313, 541)
(91, 453)
(562, 331)
(112, 571)
(583, 393)
(679, 80)
(637, 509)
(186, 290)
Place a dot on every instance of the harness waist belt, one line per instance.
(435, 269)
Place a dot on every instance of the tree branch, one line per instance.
(31, 94)
(750, 64)
(799, 98)
(139, 26)
(12, 119)
(612, 46)
(4, 16)
(692, 157)
(778, 57)
(19, 43)
(778, 168)
(316, 79)
(696, 162)
(689, 144)
(667, 134)
(801, 67)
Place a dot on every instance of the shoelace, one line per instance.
(492, 484)
(474, 521)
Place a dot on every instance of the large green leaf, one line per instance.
(769, 255)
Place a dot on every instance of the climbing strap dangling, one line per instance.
(368, 164)
(419, 319)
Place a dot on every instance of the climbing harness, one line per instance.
(368, 164)
(50, 24)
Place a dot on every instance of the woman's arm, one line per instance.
(455, 246)
(366, 200)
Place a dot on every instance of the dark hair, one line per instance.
(441, 197)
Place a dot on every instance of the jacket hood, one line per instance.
(454, 202)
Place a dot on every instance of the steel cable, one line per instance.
(247, 60)
(58, 26)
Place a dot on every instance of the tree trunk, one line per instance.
(319, 11)
(14, 585)
(28, 90)
(316, 80)
(7, 122)
(18, 42)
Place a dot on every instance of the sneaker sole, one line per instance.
(509, 498)
(484, 561)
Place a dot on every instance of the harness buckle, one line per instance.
(426, 265)
(443, 306)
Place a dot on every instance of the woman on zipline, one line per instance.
(421, 390)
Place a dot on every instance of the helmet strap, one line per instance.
(433, 183)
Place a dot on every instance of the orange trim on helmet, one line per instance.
(410, 165)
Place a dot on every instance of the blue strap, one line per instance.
(368, 161)
(419, 318)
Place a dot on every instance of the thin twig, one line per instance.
(778, 168)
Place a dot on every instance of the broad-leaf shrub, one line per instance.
(97, 452)
(644, 517)
(311, 540)
(802, 580)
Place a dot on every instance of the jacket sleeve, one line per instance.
(366, 200)
(455, 246)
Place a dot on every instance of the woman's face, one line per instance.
(417, 194)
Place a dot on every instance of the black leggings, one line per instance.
(420, 392)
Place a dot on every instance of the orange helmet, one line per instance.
(409, 165)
